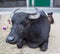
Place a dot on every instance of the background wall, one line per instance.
(56, 3)
(22, 3)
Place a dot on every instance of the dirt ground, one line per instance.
(54, 40)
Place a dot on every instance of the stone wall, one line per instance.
(13, 3)
(56, 3)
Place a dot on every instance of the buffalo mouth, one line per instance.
(11, 40)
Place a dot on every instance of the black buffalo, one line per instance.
(33, 29)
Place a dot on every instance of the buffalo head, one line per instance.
(21, 23)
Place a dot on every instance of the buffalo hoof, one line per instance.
(19, 45)
(44, 47)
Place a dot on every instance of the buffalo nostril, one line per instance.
(10, 39)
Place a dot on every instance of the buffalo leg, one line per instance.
(44, 46)
(20, 43)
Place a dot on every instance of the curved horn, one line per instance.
(35, 15)
(13, 12)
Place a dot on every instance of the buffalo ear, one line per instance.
(50, 13)
(50, 17)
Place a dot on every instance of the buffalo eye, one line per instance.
(23, 23)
